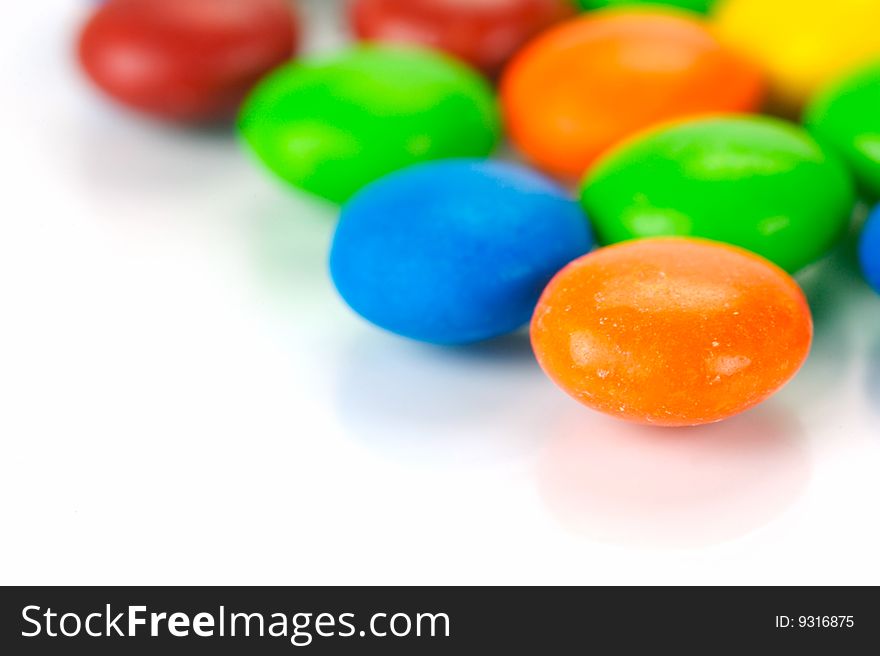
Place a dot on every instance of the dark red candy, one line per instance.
(485, 33)
(187, 60)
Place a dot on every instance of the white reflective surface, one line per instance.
(185, 400)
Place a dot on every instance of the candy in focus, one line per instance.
(801, 44)
(756, 182)
(454, 252)
(185, 60)
(333, 124)
(846, 116)
(584, 85)
(484, 34)
(869, 250)
(671, 331)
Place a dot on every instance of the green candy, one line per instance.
(332, 125)
(846, 117)
(756, 182)
(700, 6)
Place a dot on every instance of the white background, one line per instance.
(184, 400)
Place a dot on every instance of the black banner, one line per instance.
(167, 621)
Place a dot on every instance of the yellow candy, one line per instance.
(801, 44)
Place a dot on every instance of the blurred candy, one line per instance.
(672, 332)
(586, 84)
(846, 116)
(454, 252)
(801, 44)
(700, 6)
(334, 124)
(756, 182)
(869, 250)
(485, 33)
(186, 60)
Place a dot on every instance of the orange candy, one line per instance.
(583, 86)
(672, 331)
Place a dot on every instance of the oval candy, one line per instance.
(755, 182)
(588, 83)
(334, 124)
(869, 250)
(185, 60)
(846, 116)
(484, 34)
(454, 252)
(671, 331)
(802, 45)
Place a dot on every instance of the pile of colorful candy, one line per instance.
(703, 208)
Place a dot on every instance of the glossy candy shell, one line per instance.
(484, 33)
(332, 125)
(583, 86)
(759, 183)
(802, 45)
(671, 332)
(185, 60)
(846, 116)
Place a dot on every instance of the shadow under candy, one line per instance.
(290, 239)
(835, 292)
(873, 376)
(434, 405)
(654, 487)
(120, 152)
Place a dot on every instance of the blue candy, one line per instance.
(869, 250)
(456, 251)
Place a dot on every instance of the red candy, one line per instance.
(485, 33)
(187, 60)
